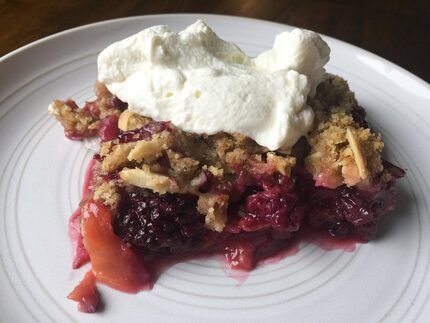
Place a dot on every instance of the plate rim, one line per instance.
(48, 39)
(60, 34)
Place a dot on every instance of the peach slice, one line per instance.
(112, 261)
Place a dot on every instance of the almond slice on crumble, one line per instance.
(215, 171)
(150, 150)
(117, 157)
(358, 155)
(130, 121)
(145, 178)
(350, 172)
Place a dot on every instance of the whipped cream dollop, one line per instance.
(206, 85)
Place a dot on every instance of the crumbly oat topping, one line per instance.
(340, 150)
(76, 122)
(79, 123)
(106, 192)
(183, 168)
(214, 206)
(117, 157)
(217, 172)
(283, 164)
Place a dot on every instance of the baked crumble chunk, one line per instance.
(80, 123)
(173, 193)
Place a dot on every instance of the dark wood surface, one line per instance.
(398, 30)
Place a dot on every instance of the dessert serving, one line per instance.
(204, 150)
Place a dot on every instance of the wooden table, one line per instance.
(398, 30)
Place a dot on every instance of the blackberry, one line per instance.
(348, 210)
(160, 224)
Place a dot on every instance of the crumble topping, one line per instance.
(76, 122)
(217, 172)
(117, 157)
(150, 150)
(107, 193)
(341, 150)
(214, 206)
(183, 168)
(283, 164)
(79, 123)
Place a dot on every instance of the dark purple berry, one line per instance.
(160, 224)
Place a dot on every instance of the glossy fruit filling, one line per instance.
(86, 294)
(267, 213)
(113, 262)
(349, 211)
(166, 224)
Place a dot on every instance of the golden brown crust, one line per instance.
(341, 149)
(106, 192)
(117, 157)
(283, 164)
(79, 123)
(73, 120)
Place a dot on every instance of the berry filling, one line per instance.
(166, 224)
(113, 262)
(344, 210)
(265, 212)
(275, 205)
(144, 133)
(108, 128)
(158, 194)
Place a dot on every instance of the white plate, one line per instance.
(41, 175)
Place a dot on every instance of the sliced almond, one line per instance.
(149, 150)
(360, 161)
(107, 193)
(129, 121)
(217, 172)
(117, 157)
(350, 174)
(144, 178)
